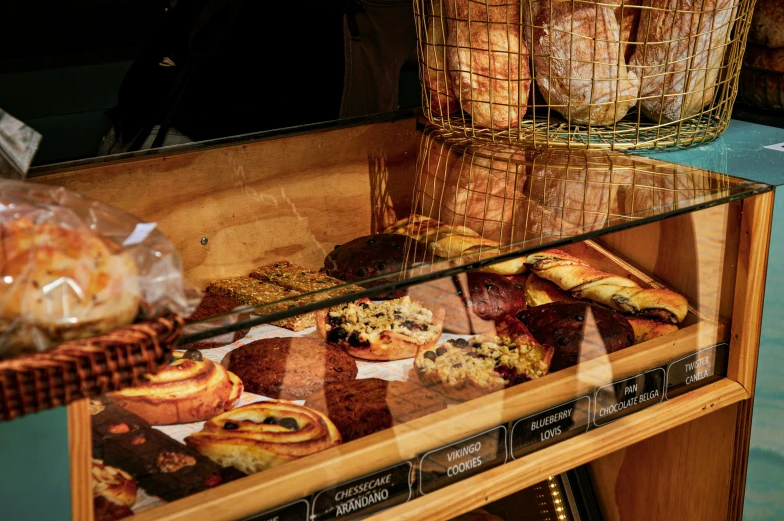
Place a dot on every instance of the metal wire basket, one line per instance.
(518, 196)
(617, 74)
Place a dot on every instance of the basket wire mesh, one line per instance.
(618, 74)
(516, 197)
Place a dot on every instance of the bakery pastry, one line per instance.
(465, 369)
(263, 435)
(182, 392)
(488, 62)
(297, 278)
(434, 73)
(361, 407)
(289, 368)
(105, 510)
(583, 281)
(566, 327)
(472, 301)
(267, 298)
(679, 55)
(59, 284)
(373, 256)
(387, 330)
(579, 63)
(767, 24)
(645, 328)
(164, 467)
(539, 291)
(213, 305)
(455, 241)
(114, 484)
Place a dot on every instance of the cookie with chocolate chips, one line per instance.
(374, 255)
(578, 331)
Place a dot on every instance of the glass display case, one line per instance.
(423, 325)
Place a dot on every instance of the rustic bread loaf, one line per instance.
(764, 88)
(682, 53)
(435, 74)
(767, 24)
(488, 63)
(579, 65)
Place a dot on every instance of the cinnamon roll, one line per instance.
(182, 392)
(263, 435)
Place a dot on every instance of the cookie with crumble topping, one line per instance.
(387, 330)
(466, 369)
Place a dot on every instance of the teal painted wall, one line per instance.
(34, 470)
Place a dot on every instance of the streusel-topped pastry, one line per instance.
(388, 330)
(465, 369)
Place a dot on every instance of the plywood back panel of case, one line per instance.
(292, 198)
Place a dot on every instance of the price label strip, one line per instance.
(548, 427)
(457, 461)
(366, 495)
(296, 511)
(697, 369)
(624, 397)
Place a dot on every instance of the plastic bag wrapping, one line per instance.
(73, 268)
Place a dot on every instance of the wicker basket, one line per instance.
(85, 368)
(618, 74)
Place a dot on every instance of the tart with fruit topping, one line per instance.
(465, 369)
(388, 330)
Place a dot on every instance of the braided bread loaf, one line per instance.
(584, 281)
(453, 241)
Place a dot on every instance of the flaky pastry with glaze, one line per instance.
(620, 293)
(182, 392)
(263, 435)
(59, 284)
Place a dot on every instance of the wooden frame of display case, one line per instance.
(242, 211)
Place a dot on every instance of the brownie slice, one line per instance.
(164, 467)
(361, 407)
(160, 465)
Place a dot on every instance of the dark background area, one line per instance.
(62, 64)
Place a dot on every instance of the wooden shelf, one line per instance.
(479, 490)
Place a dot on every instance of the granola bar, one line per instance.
(267, 298)
(297, 278)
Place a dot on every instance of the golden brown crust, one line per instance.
(63, 284)
(240, 438)
(183, 392)
(646, 329)
(539, 291)
(586, 282)
(682, 56)
(388, 344)
(580, 68)
(113, 484)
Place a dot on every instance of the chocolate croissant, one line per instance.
(586, 282)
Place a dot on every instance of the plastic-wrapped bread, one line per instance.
(680, 60)
(435, 75)
(579, 66)
(488, 63)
